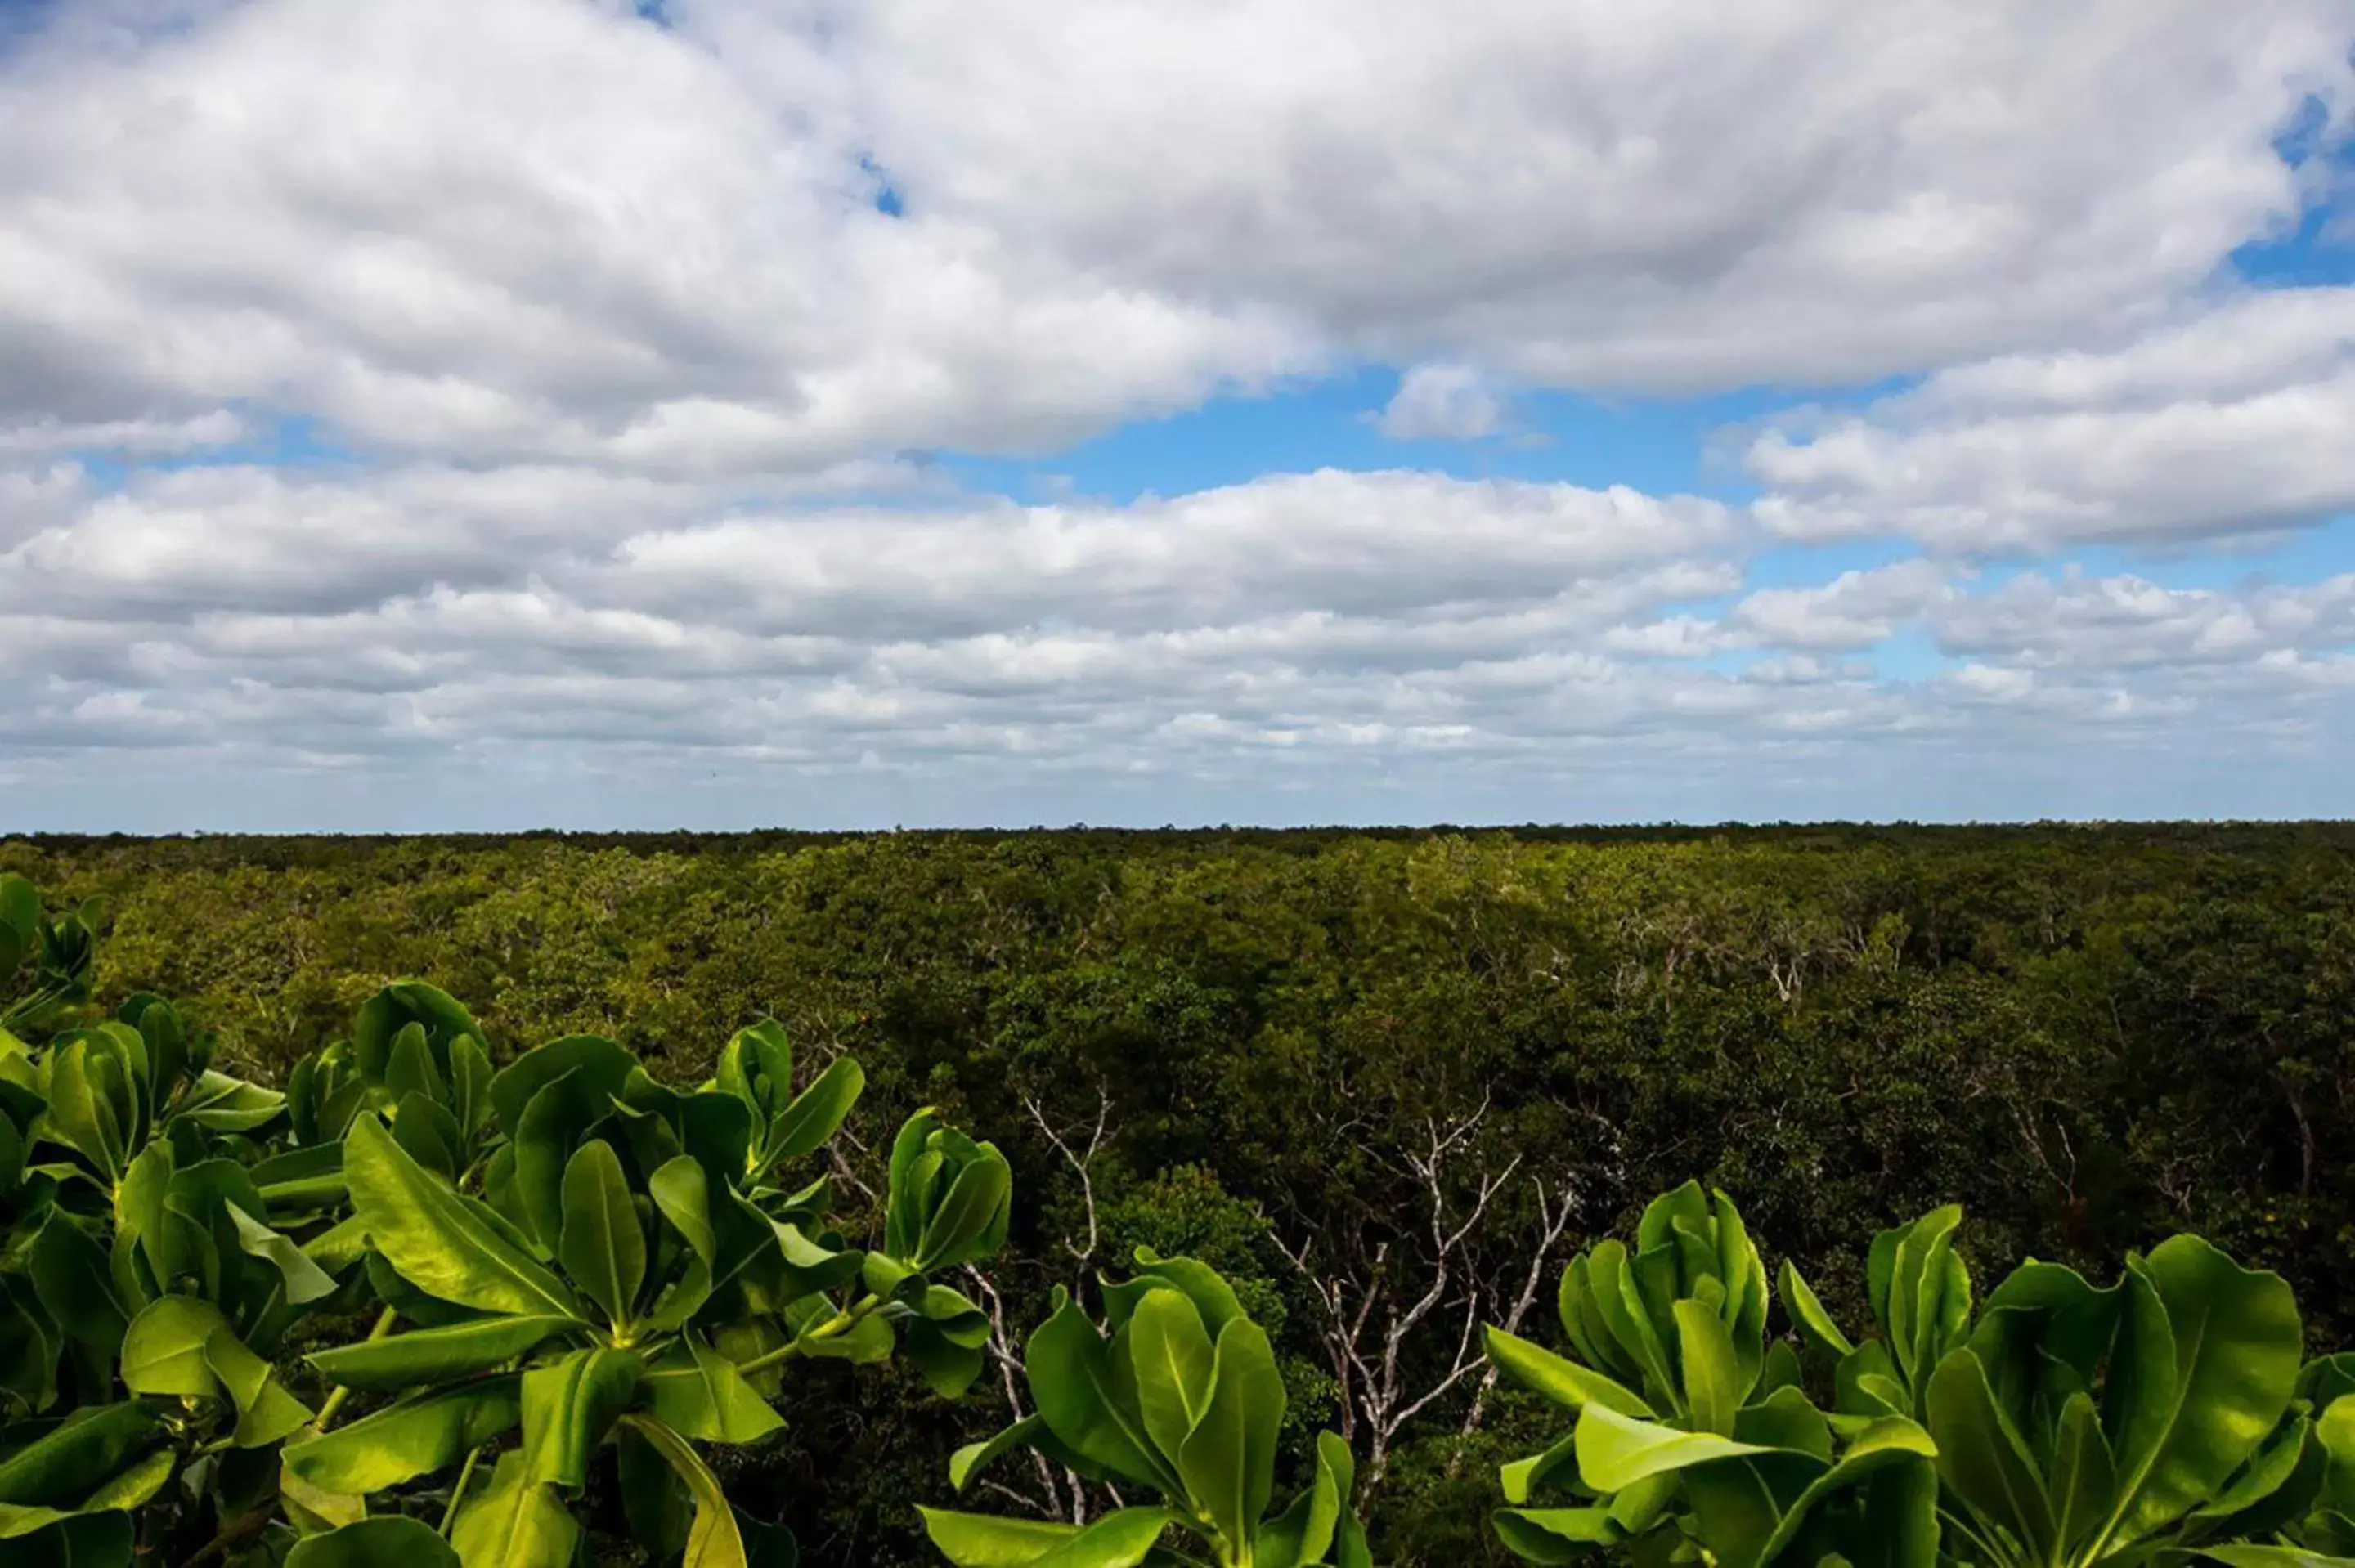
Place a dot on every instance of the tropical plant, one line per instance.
(2162, 1417)
(571, 1265)
(1177, 1393)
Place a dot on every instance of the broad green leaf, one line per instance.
(222, 1104)
(1713, 1383)
(969, 1460)
(135, 1484)
(714, 1540)
(975, 1203)
(2084, 1480)
(1616, 1451)
(392, 1541)
(682, 1192)
(1785, 1419)
(708, 1398)
(1815, 1324)
(302, 1279)
(555, 1122)
(79, 1114)
(76, 1284)
(414, 1437)
(515, 1522)
(163, 1348)
(909, 1197)
(604, 1067)
(430, 1133)
(63, 1465)
(1119, 1540)
(1070, 1369)
(2236, 1343)
(603, 1249)
(424, 1357)
(1303, 1533)
(817, 1113)
(569, 1407)
(1555, 1535)
(265, 1410)
(1174, 1363)
(1520, 1479)
(1212, 1297)
(1229, 1459)
(1563, 1381)
(1883, 1447)
(1981, 1456)
(654, 1499)
(444, 1243)
(411, 1068)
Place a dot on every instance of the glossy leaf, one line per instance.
(424, 1357)
(602, 1248)
(390, 1541)
(515, 1522)
(413, 1437)
(444, 1243)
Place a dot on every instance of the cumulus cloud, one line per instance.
(679, 259)
(1288, 627)
(2232, 421)
(1663, 197)
(1442, 403)
(629, 347)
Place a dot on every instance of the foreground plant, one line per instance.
(2159, 1418)
(627, 1285)
(570, 1267)
(1176, 1394)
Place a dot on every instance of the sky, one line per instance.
(440, 415)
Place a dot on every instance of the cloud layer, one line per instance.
(404, 389)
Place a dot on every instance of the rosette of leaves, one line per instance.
(115, 1089)
(2164, 1415)
(1920, 1291)
(156, 1323)
(417, 1058)
(1669, 1335)
(1176, 1394)
(613, 1295)
(756, 1068)
(46, 965)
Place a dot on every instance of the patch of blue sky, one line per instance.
(1663, 445)
(2318, 249)
(281, 441)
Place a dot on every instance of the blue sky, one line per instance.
(1011, 414)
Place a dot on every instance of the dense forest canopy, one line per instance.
(1385, 1064)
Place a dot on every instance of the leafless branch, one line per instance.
(1079, 1161)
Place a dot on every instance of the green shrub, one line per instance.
(2159, 1418)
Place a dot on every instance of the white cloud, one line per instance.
(436, 625)
(2230, 421)
(1580, 191)
(1442, 403)
(674, 261)
(634, 380)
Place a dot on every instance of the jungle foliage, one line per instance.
(1217, 1045)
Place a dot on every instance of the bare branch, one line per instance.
(1079, 1162)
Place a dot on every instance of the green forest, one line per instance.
(1387, 1085)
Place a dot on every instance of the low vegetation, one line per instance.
(1295, 1117)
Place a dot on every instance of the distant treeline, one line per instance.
(2089, 1035)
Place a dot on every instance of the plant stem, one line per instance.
(458, 1490)
(841, 1323)
(236, 1530)
(384, 1322)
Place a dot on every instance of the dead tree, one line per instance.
(1376, 1305)
(1061, 1492)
